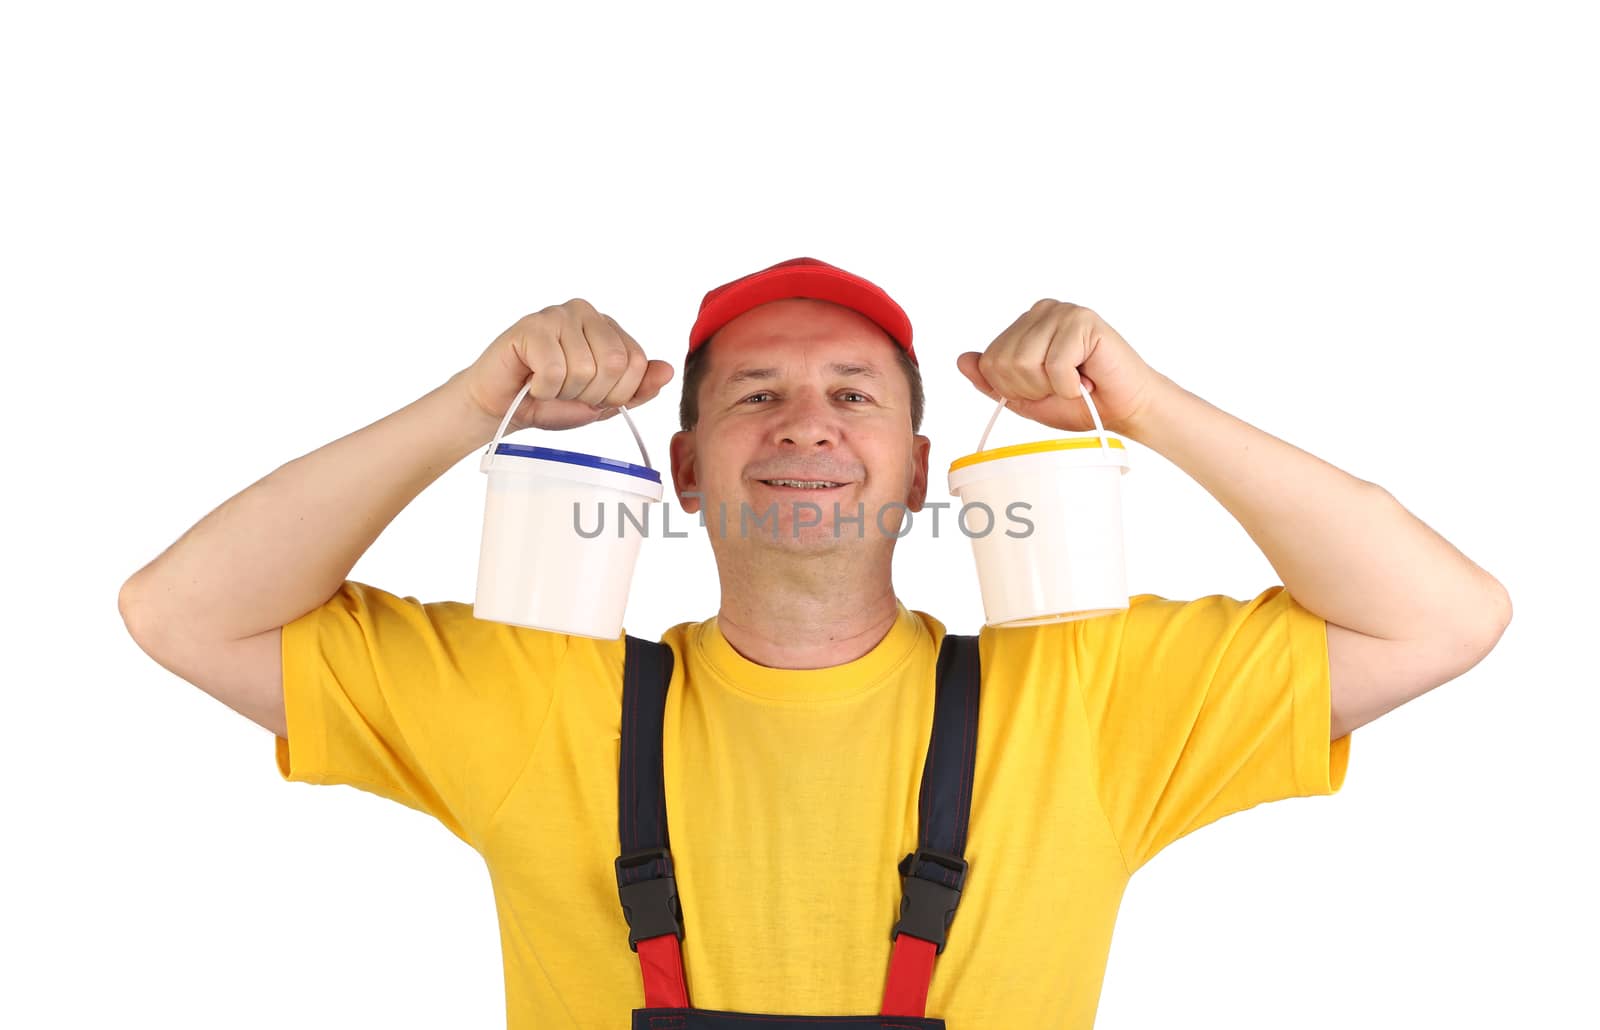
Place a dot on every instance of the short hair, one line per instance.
(694, 371)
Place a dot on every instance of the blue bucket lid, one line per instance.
(579, 458)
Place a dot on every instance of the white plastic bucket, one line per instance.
(1069, 563)
(535, 567)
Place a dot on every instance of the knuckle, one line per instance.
(547, 377)
(580, 367)
(534, 322)
(552, 357)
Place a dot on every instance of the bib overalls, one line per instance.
(931, 876)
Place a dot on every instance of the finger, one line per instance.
(998, 363)
(638, 364)
(1060, 364)
(540, 351)
(579, 358)
(610, 360)
(1027, 369)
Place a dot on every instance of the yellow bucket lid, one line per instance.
(1017, 449)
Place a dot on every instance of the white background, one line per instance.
(233, 233)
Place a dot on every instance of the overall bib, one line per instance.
(931, 876)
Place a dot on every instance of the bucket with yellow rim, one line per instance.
(1045, 521)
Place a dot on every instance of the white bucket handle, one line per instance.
(483, 463)
(1093, 413)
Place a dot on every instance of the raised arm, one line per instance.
(211, 607)
(1405, 610)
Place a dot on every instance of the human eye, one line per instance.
(758, 393)
(858, 393)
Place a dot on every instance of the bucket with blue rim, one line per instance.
(561, 534)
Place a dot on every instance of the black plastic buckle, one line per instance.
(927, 905)
(650, 906)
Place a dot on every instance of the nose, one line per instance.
(806, 420)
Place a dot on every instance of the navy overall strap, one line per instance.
(933, 875)
(645, 882)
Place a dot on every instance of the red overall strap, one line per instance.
(932, 876)
(910, 973)
(662, 964)
(646, 886)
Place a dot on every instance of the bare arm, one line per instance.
(1405, 610)
(211, 607)
(285, 544)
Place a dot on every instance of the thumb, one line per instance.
(968, 364)
(656, 375)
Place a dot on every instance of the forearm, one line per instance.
(1344, 547)
(285, 544)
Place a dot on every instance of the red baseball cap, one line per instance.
(801, 277)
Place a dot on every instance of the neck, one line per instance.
(806, 611)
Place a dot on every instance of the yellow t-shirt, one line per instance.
(792, 794)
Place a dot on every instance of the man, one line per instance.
(797, 722)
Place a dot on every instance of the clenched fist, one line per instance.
(584, 366)
(1037, 362)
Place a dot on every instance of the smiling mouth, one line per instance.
(802, 484)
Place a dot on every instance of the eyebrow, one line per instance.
(751, 375)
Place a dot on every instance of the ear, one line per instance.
(684, 480)
(919, 472)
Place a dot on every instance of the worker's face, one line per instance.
(802, 389)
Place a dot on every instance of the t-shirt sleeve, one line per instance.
(1202, 708)
(423, 704)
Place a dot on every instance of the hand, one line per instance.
(584, 366)
(1037, 362)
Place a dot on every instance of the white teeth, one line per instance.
(802, 484)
